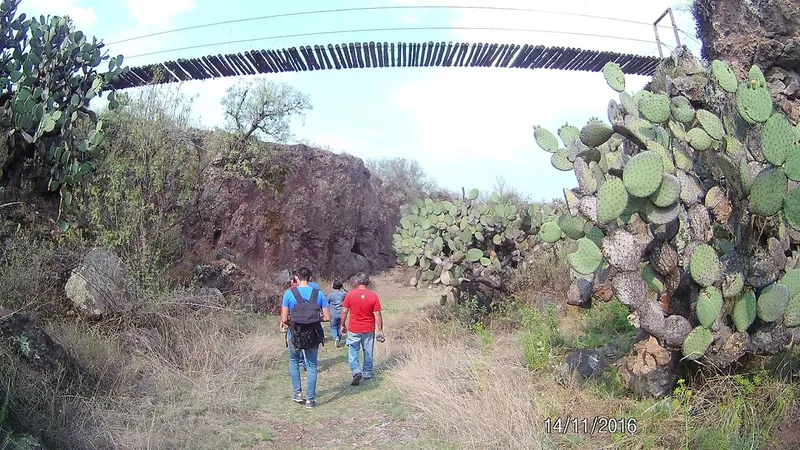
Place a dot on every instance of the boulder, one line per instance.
(649, 370)
(201, 297)
(101, 286)
(20, 332)
(310, 207)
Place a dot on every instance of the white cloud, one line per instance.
(158, 12)
(84, 17)
(469, 117)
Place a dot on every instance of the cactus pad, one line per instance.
(755, 76)
(792, 316)
(668, 192)
(792, 166)
(661, 216)
(696, 343)
(587, 258)
(699, 139)
(474, 254)
(568, 133)
(681, 109)
(550, 232)
(612, 199)
(791, 208)
(614, 76)
(704, 265)
(560, 161)
(594, 234)
(666, 158)
(753, 103)
(653, 279)
(628, 104)
(772, 302)
(654, 107)
(732, 284)
(643, 174)
(595, 133)
(768, 191)
(711, 124)
(724, 75)
(744, 311)
(572, 226)
(545, 139)
(709, 306)
(776, 139)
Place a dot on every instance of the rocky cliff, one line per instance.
(308, 207)
(761, 32)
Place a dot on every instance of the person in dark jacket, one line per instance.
(335, 299)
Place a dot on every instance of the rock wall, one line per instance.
(761, 32)
(319, 209)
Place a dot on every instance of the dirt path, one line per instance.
(371, 415)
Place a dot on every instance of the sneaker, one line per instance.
(298, 397)
(356, 379)
(338, 343)
(311, 404)
(367, 378)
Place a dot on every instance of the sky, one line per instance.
(464, 125)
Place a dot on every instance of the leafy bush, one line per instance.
(540, 336)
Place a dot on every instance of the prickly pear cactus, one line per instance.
(49, 74)
(697, 211)
(458, 243)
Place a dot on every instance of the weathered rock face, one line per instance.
(761, 32)
(101, 286)
(324, 211)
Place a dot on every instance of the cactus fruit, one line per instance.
(753, 103)
(744, 311)
(696, 343)
(568, 134)
(550, 232)
(545, 139)
(711, 124)
(768, 191)
(612, 199)
(724, 75)
(595, 133)
(614, 76)
(704, 265)
(668, 192)
(772, 302)
(776, 139)
(587, 259)
(709, 306)
(654, 107)
(791, 208)
(756, 76)
(643, 174)
(560, 161)
(699, 139)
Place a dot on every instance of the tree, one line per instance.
(404, 179)
(48, 75)
(264, 108)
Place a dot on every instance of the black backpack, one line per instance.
(306, 322)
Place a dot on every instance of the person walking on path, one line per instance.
(335, 299)
(300, 312)
(363, 307)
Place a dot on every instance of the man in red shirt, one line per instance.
(363, 307)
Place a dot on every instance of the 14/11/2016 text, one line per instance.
(584, 425)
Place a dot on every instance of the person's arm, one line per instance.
(326, 310)
(285, 315)
(345, 313)
(378, 324)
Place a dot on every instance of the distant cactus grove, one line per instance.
(687, 212)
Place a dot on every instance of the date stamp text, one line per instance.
(590, 425)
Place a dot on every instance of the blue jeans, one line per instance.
(336, 323)
(355, 343)
(296, 357)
